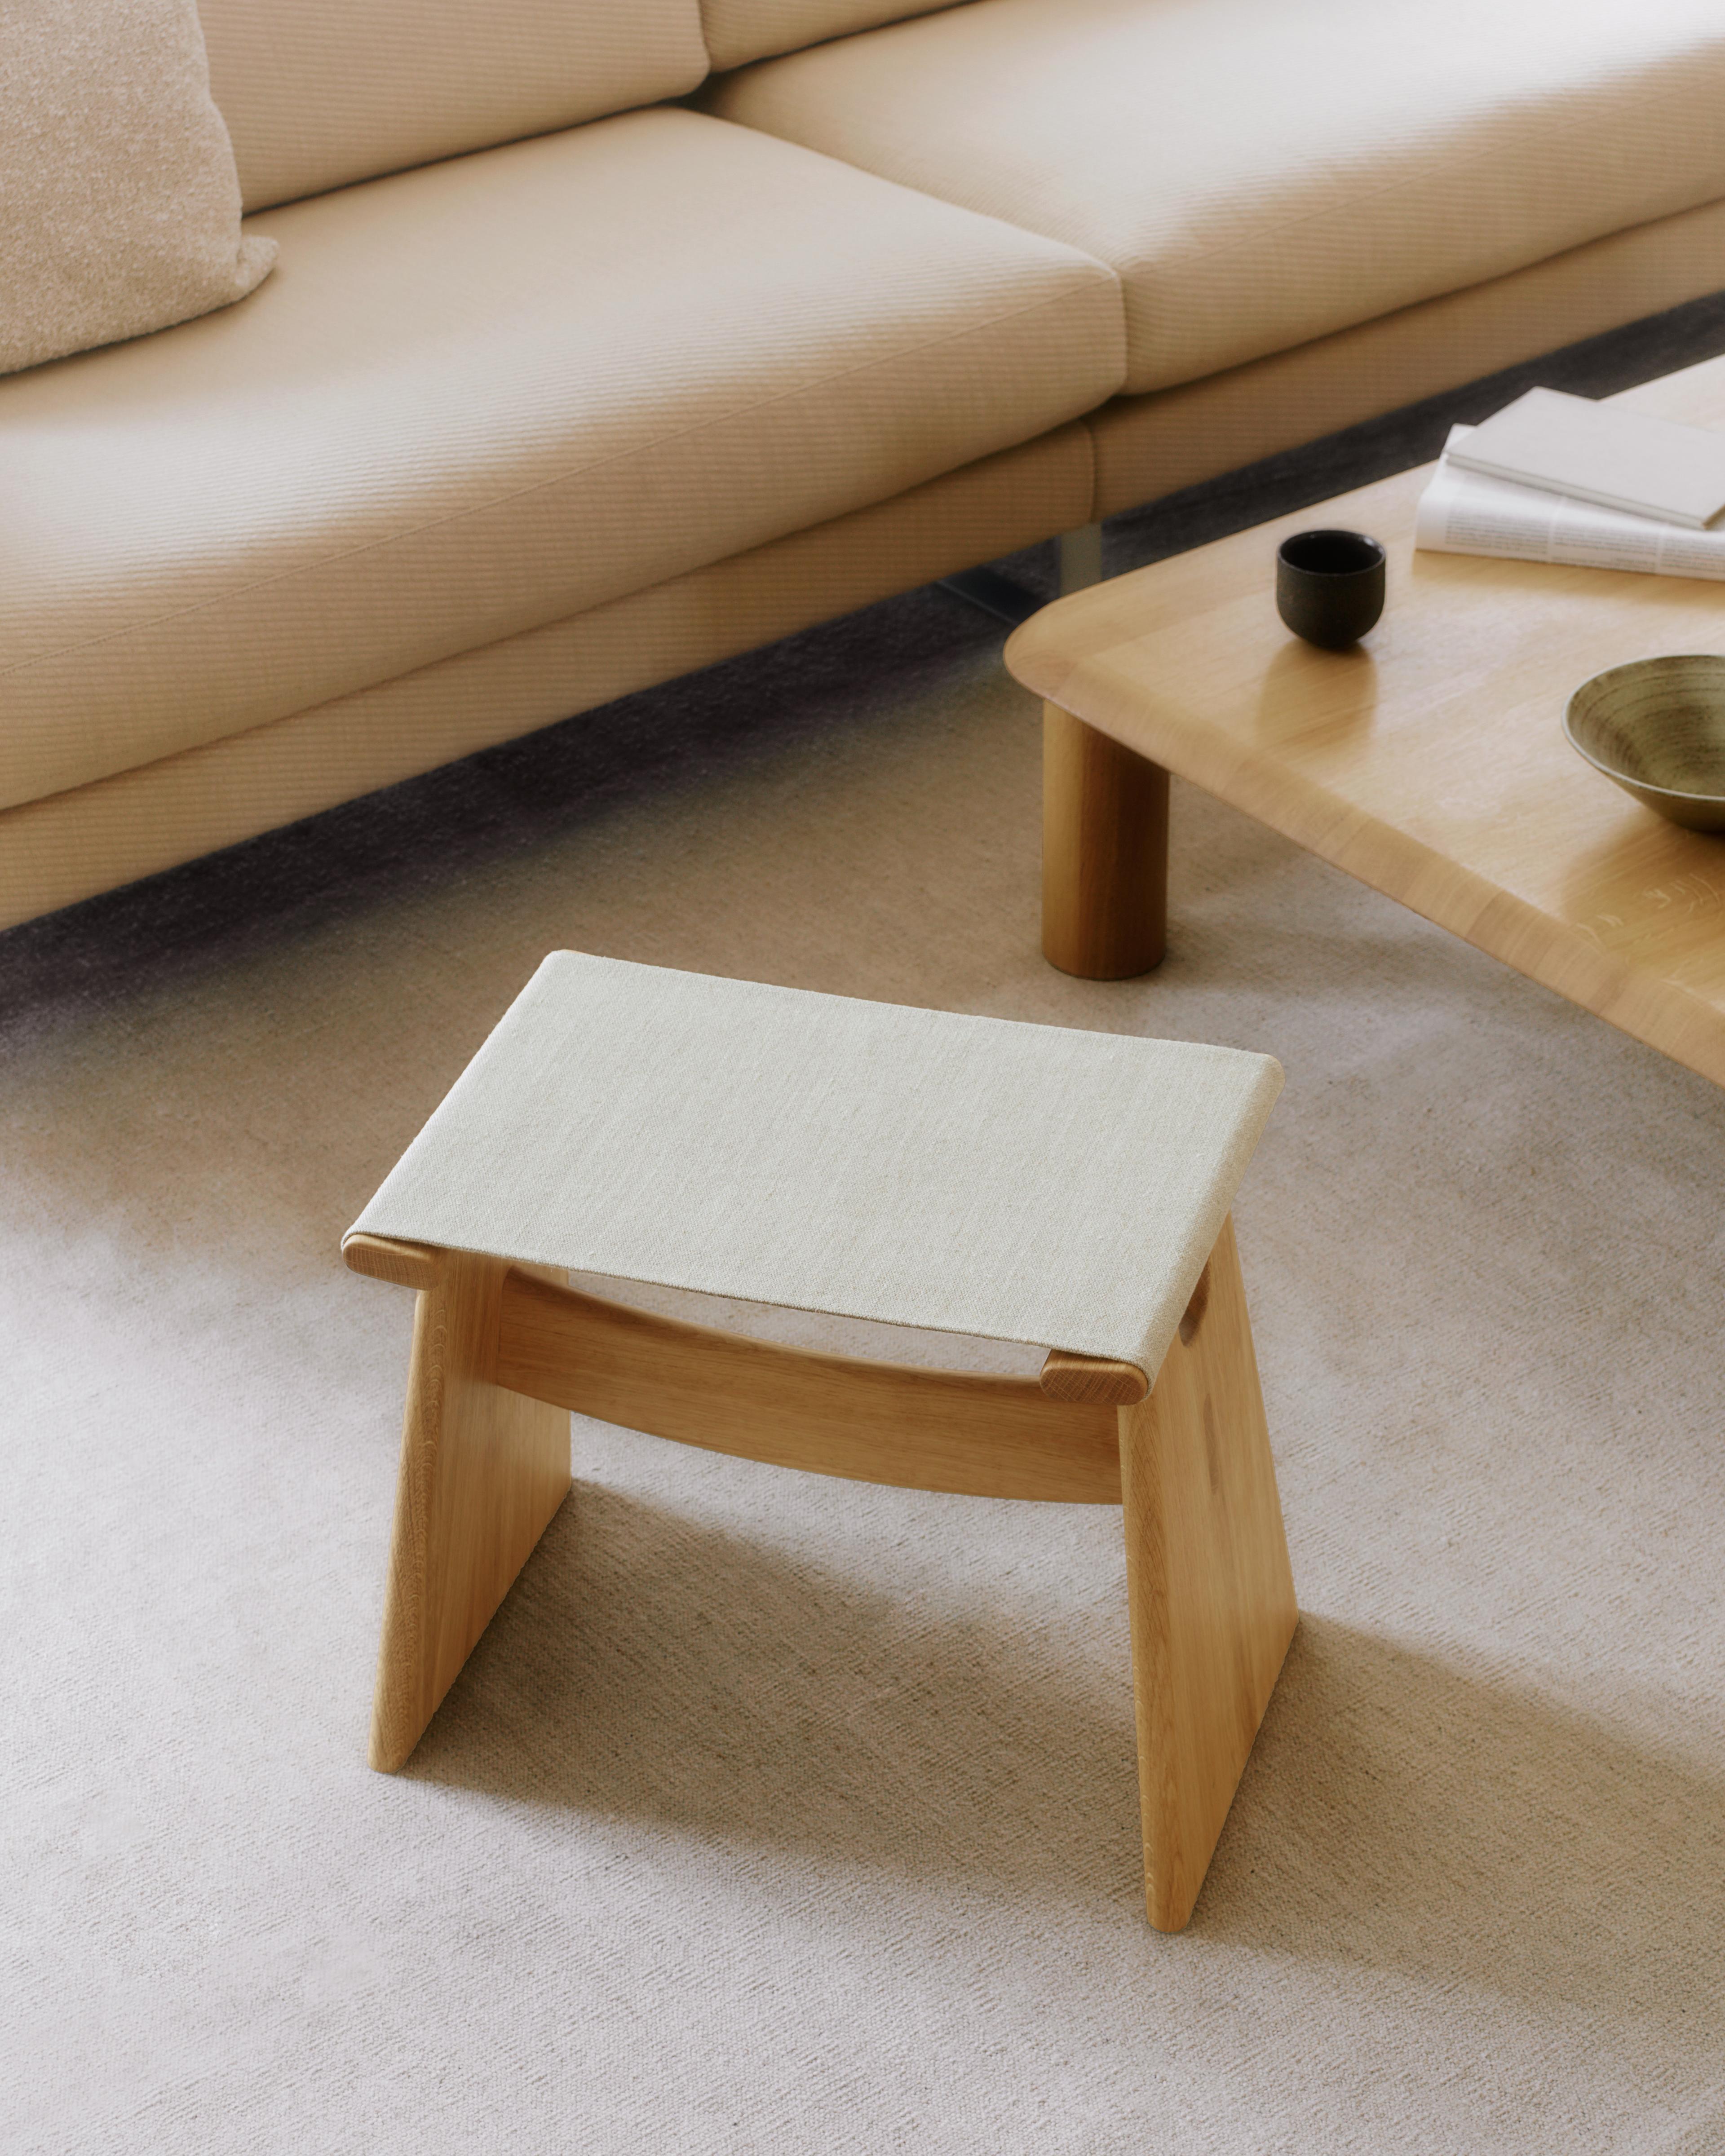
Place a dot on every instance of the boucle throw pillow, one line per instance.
(119, 201)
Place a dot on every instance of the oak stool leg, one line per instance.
(1208, 1581)
(482, 1471)
(1104, 853)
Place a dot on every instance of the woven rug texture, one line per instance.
(779, 1814)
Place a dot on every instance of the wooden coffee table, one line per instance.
(1429, 761)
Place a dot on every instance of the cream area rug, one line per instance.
(783, 1815)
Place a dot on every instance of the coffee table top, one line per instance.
(1430, 762)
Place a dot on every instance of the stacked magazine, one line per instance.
(1554, 478)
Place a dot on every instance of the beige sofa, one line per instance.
(609, 337)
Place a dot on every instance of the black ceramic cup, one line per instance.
(1329, 586)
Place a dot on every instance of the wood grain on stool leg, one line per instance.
(482, 1471)
(1104, 853)
(1211, 1594)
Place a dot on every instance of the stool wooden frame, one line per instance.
(502, 1352)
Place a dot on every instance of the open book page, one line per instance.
(1604, 453)
(1464, 512)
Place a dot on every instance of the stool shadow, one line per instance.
(1401, 1813)
(1407, 1814)
(646, 1665)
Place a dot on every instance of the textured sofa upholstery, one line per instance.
(455, 415)
(520, 424)
(320, 93)
(1258, 174)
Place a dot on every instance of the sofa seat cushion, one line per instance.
(487, 395)
(1261, 172)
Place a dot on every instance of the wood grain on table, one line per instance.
(1430, 761)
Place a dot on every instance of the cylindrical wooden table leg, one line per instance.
(1104, 853)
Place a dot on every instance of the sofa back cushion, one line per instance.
(739, 30)
(316, 93)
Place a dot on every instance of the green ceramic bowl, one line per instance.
(1656, 726)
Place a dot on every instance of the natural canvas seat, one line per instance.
(955, 1173)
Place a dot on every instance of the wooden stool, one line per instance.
(1024, 1183)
